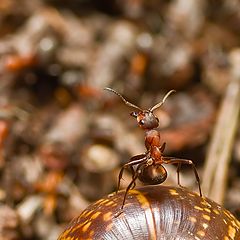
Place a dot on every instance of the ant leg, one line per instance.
(131, 167)
(162, 147)
(119, 178)
(126, 191)
(133, 161)
(178, 174)
(128, 188)
(133, 173)
(131, 183)
(173, 160)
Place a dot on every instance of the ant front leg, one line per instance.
(133, 161)
(179, 161)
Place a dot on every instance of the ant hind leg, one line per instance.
(180, 161)
(178, 175)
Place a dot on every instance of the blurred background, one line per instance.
(63, 139)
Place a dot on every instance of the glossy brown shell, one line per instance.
(154, 212)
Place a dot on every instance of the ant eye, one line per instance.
(134, 114)
(141, 122)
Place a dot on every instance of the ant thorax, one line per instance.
(152, 138)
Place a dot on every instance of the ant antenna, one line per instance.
(164, 99)
(124, 100)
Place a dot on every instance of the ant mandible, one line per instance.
(149, 169)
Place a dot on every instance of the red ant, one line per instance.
(149, 169)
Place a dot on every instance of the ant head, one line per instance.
(145, 118)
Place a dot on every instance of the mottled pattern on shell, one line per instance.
(154, 212)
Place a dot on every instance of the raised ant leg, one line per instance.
(162, 148)
(133, 161)
(180, 161)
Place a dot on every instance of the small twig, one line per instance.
(219, 154)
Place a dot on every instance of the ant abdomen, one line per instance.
(153, 174)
